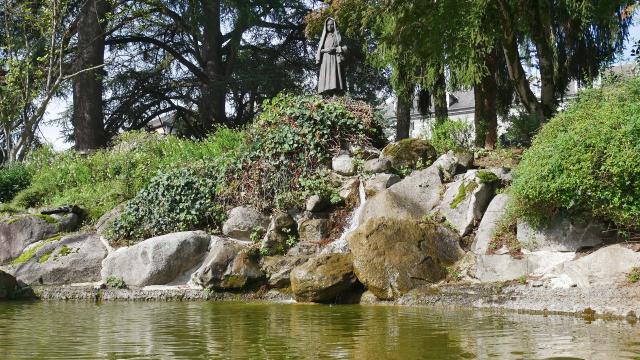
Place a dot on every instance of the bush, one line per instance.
(101, 181)
(284, 158)
(176, 200)
(521, 130)
(456, 135)
(585, 160)
(13, 179)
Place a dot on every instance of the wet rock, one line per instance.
(243, 272)
(313, 230)
(304, 248)
(413, 197)
(278, 269)
(606, 267)
(408, 153)
(68, 260)
(343, 165)
(221, 255)
(18, 232)
(243, 221)
(562, 234)
(8, 286)
(391, 256)
(375, 166)
(465, 201)
(349, 190)
(490, 220)
(380, 182)
(323, 278)
(315, 203)
(157, 261)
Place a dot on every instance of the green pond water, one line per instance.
(206, 330)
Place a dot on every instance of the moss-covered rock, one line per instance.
(323, 278)
(410, 153)
(393, 256)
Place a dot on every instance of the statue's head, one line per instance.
(331, 25)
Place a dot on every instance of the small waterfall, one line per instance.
(341, 245)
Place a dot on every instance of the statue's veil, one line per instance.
(336, 33)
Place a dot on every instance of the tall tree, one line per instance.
(88, 115)
(35, 39)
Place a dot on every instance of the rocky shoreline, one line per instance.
(618, 303)
(429, 238)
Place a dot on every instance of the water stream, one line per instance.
(341, 244)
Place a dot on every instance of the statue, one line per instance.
(330, 56)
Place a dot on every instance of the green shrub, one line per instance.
(456, 135)
(13, 179)
(283, 161)
(585, 160)
(521, 130)
(102, 180)
(115, 282)
(177, 200)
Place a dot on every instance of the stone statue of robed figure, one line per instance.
(330, 56)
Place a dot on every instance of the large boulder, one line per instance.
(229, 265)
(413, 197)
(18, 232)
(490, 221)
(67, 260)
(243, 222)
(392, 256)
(157, 261)
(8, 285)
(607, 267)
(408, 153)
(465, 201)
(323, 278)
(561, 234)
(282, 229)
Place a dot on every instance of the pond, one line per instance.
(207, 330)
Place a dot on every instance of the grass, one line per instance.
(634, 275)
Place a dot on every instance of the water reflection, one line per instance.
(198, 330)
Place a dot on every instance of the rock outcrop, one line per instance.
(71, 259)
(243, 221)
(413, 197)
(607, 266)
(391, 256)
(18, 232)
(8, 286)
(380, 182)
(323, 278)
(228, 265)
(465, 201)
(157, 261)
(490, 221)
(562, 234)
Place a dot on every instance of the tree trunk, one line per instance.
(486, 115)
(88, 116)
(514, 64)
(213, 90)
(541, 33)
(403, 115)
(440, 106)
